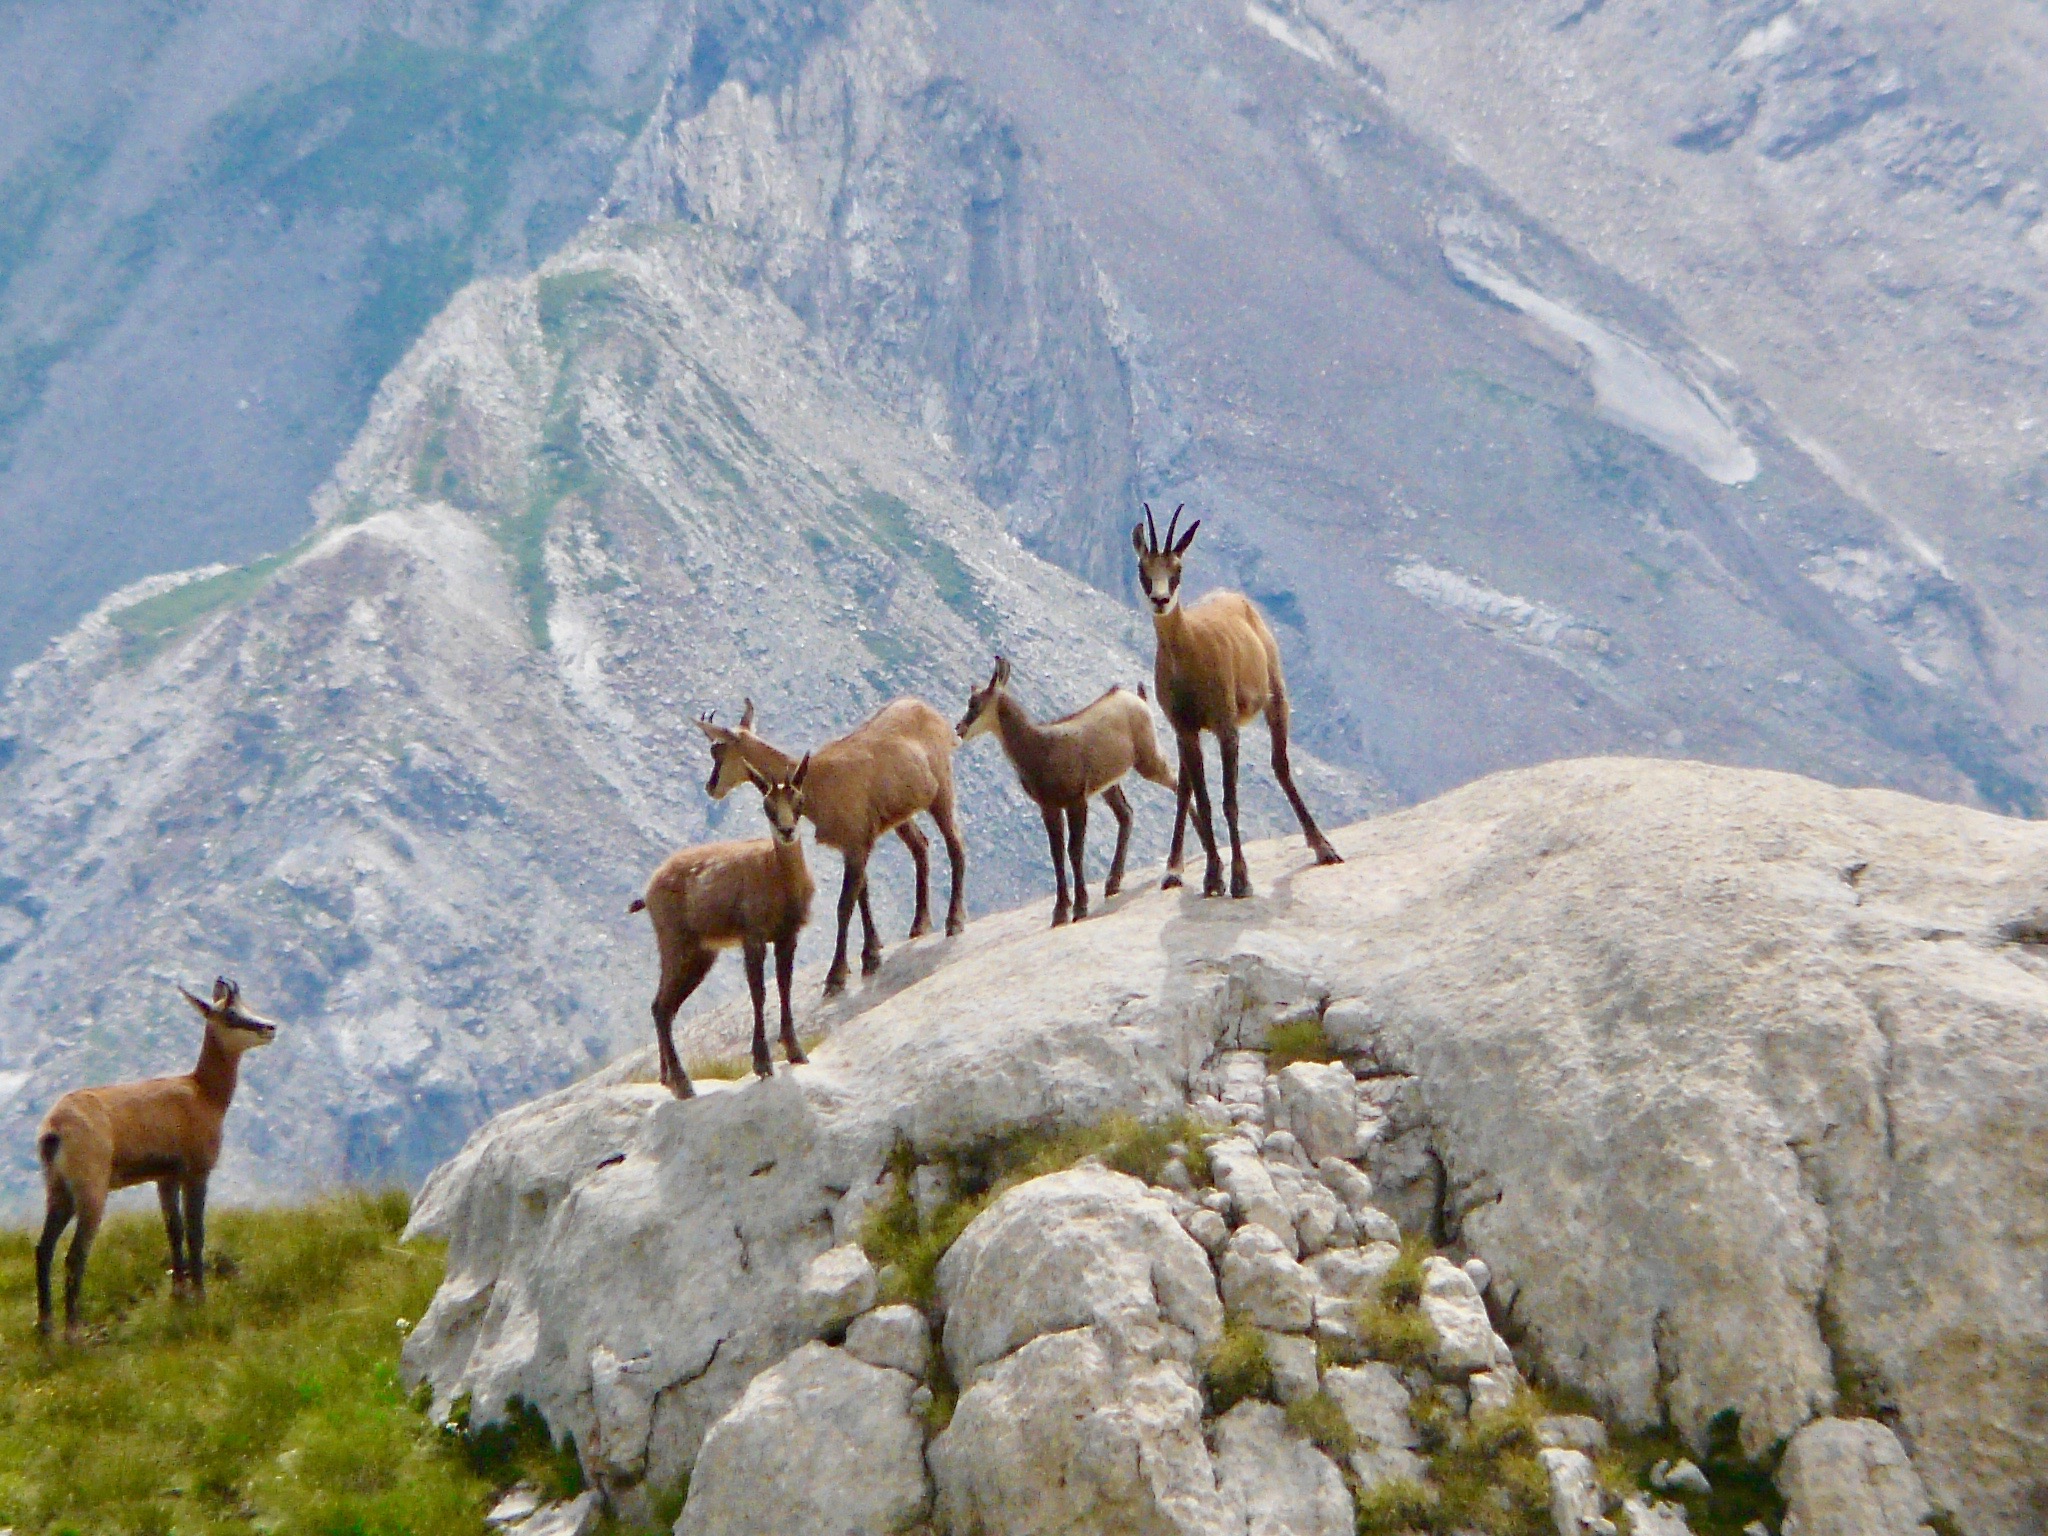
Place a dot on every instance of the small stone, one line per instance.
(1315, 1217)
(1208, 1229)
(1263, 1284)
(921, 1400)
(1850, 1477)
(1386, 1464)
(1756, 1528)
(1577, 1432)
(1217, 1201)
(1648, 1518)
(1208, 1112)
(895, 1338)
(1349, 1184)
(1378, 1225)
(931, 1186)
(1493, 1391)
(1465, 1340)
(513, 1508)
(1174, 1176)
(1574, 1494)
(837, 1286)
(1344, 1231)
(1680, 1477)
(1281, 1147)
(1337, 1325)
(1318, 1103)
(1455, 1399)
(1374, 1404)
(1479, 1273)
(571, 1517)
(1293, 1360)
(1246, 1179)
(1353, 1272)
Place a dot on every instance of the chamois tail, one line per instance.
(638, 906)
(46, 1148)
(1142, 693)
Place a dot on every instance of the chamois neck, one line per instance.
(217, 1070)
(1171, 626)
(764, 759)
(1015, 726)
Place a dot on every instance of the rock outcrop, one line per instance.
(1730, 1082)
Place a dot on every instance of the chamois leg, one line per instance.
(785, 974)
(870, 934)
(1226, 749)
(756, 954)
(1198, 776)
(850, 889)
(174, 1230)
(1177, 848)
(56, 1217)
(91, 1208)
(1120, 808)
(681, 974)
(919, 846)
(956, 855)
(1062, 908)
(1276, 722)
(1077, 850)
(195, 1234)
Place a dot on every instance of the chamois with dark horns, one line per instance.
(1063, 762)
(863, 786)
(164, 1130)
(716, 895)
(1218, 665)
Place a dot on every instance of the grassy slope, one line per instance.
(274, 1407)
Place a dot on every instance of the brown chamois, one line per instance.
(1065, 761)
(716, 895)
(164, 1130)
(1218, 665)
(868, 783)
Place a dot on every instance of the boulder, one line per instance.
(1573, 1431)
(1319, 1104)
(821, 1443)
(1574, 1494)
(837, 1286)
(1850, 1477)
(1083, 1248)
(1071, 1436)
(1465, 1340)
(1653, 1517)
(897, 1338)
(1374, 1403)
(566, 1517)
(1242, 1174)
(1263, 1284)
(1208, 1229)
(1353, 1272)
(1292, 1357)
(1494, 1390)
(1273, 1482)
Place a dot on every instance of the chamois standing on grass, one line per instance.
(870, 782)
(162, 1129)
(716, 895)
(1218, 665)
(1063, 762)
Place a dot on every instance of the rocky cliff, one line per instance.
(1714, 1097)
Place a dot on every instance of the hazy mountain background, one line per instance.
(410, 414)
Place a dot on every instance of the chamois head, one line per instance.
(728, 764)
(234, 1026)
(1159, 559)
(784, 802)
(981, 704)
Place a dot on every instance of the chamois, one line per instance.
(716, 895)
(162, 1129)
(1218, 665)
(869, 782)
(1063, 762)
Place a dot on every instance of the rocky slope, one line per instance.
(1726, 1086)
(403, 781)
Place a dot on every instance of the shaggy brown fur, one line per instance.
(164, 1130)
(1218, 666)
(867, 784)
(1062, 763)
(718, 895)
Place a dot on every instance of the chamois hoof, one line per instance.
(1240, 885)
(869, 964)
(835, 982)
(1328, 855)
(955, 926)
(1061, 916)
(795, 1056)
(683, 1090)
(1116, 884)
(920, 928)
(1171, 881)
(763, 1067)
(1212, 883)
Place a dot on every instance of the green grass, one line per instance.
(1237, 1368)
(1303, 1040)
(890, 520)
(1743, 1490)
(148, 626)
(1320, 1421)
(274, 1406)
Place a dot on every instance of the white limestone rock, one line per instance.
(1071, 1435)
(1319, 1104)
(1653, 1517)
(567, 1517)
(837, 1286)
(1494, 1390)
(1572, 1431)
(1374, 1404)
(1208, 1229)
(821, 1443)
(513, 1508)
(1851, 1477)
(1574, 1494)
(1465, 1340)
(1283, 1146)
(1070, 1250)
(1292, 1357)
(1272, 1481)
(1240, 1078)
(1242, 1174)
(1263, 1283)
(1373, 1465)
(896, 1338)
(1347, 1182)
(1353, 1272)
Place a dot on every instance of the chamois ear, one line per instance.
(747, 715)
(1002, 671)
(754, 778)
(1187, 538)
(1138, 537)
(224, 991)
(205, 1011)
(796, 780)
(715, 732)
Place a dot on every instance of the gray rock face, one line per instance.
(1843, 1476)
(1273, 1482)
(1574, 1494)
(1073, 1250)
(1465, 1340)
(897, 1338)
(1374, 1403)
(1069, 1435)
(820, 1442)
(1619, 1160)
(837, 1286)
(1264, 1284)
(1319, 1104)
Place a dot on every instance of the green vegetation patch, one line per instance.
(1319, 1420)
(148, 626)
(1743, 1490)
(274, 1406)
(893, 525)
(1237, 1368)
(1303, 1040)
